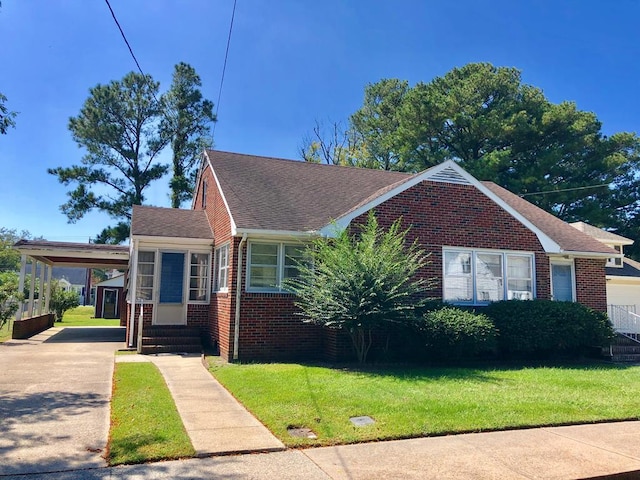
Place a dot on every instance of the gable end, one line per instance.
(448, 175)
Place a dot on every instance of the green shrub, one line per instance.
(449, 332)
(545, 326)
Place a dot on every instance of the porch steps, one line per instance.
(171, 339)
(624, 349)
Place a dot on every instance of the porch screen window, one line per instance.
(271, 263)
(199, 277)
(479, 277)
(221, 281)
(146, 270)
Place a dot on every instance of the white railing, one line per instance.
(624, 319)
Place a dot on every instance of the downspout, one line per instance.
(236, 332)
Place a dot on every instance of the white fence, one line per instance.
(624, 318)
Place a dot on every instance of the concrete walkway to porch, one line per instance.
(215, 421)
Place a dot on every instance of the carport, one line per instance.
(64, 254)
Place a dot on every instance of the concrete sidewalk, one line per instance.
(215, 421)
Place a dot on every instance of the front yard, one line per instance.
(419, 401)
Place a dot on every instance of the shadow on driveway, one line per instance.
(88, 335)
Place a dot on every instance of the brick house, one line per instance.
(219, 266)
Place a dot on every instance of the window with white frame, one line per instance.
(617, 260)
(199, 277)
(479, 276)
(271, 263)
(145, 276)
(221, 271)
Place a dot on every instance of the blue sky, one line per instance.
(290, 62)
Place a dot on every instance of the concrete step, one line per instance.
(626, 349)
(177, 348)
(627, 358)
(167, 340)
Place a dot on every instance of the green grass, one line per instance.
(5, 333)
(413, 402)
(83, 317)
(145, 424)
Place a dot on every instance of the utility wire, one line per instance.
(563, 190)
(224, 66)
(124, 37)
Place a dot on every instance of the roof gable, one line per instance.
(600, 234)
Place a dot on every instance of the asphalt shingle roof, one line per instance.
(569, 238)
(170, 222)
(287, 195)
(600, 234)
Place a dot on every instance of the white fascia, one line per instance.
(549, 245)
(234, 230)
(570, 254)
(254, 233)
(145, 240)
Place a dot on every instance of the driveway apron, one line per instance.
(55, 390)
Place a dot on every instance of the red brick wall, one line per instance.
(458, 216)
(219, 329)
(591, 283)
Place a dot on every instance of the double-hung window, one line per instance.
(483, 276)
(146, 273)
(271, 263)
(199, 277)
(221, 281)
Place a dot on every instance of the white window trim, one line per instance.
(186, 280)
(216, 269)
(562, 261)
(279, 267)
(611, 261)
(505, 277)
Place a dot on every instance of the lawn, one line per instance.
(412, 402)
(83, 317)
(145, 424)
(5, 333)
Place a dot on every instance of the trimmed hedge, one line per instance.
(545, 326)
(449, 332)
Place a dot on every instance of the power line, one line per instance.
(564, 190)
(124, 37)
(224, 66)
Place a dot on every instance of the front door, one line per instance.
(110, 303)
(170, 309)
(562, 282)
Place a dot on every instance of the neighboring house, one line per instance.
(220, 266)
(109, 297)
(622, 273)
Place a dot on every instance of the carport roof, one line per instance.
(86, 255)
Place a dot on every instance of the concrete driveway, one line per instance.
(55, 390)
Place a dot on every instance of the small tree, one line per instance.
(360, 283)
(9, 297)
(62, 300)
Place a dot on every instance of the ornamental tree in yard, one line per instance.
(362, 282)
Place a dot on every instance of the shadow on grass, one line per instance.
(138, 448)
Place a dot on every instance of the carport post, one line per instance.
(48, 297)
(133, 271)
(32, 287)
(23, 272)
(41, 290)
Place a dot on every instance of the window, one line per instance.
(146, 272)
(221, 280)
(271, 263)
(199, 277)
(204, 194)
(615, 261)
(478, 277)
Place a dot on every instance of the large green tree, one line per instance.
(186, 125)
(118, 128)
(500, 129)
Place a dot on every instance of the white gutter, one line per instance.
(236, 330)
